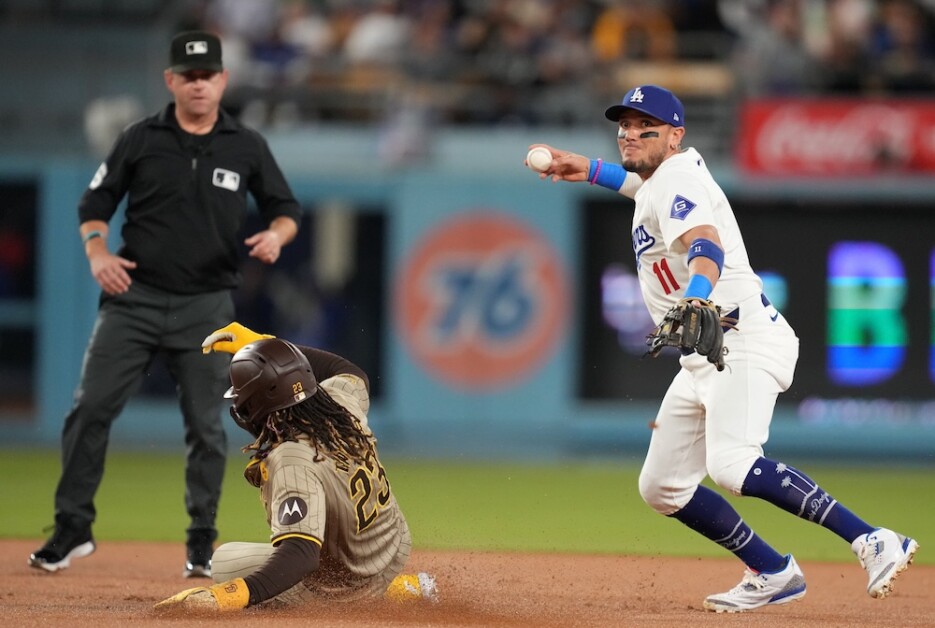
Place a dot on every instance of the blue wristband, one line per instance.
(699, 287)
(701, 247)
(610, 176)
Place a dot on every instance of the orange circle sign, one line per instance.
(481, 301)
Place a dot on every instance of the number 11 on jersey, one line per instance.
(665, 276)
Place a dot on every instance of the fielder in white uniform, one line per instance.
(688, 245)
(337, 532)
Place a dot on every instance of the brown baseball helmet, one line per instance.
(266, 376)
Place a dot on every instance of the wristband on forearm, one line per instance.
(231, 595)
(610, 176)
(699, 287)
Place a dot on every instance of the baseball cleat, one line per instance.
(199, 549)
(413, 588)
(884, 554)
(65, 544)
(429, 587)
(196, 570)
(760, 589)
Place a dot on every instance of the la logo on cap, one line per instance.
(196, 48)
(637, 95)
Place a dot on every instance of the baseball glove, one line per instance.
(691, 325)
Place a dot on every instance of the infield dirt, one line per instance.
(119, 584)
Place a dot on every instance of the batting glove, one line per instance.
(232, 595)
(230, 338)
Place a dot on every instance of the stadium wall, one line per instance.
(483, 316)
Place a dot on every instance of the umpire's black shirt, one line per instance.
(187, 199)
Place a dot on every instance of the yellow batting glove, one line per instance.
(230, 338)
(232, 595)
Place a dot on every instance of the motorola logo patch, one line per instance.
(292, 510)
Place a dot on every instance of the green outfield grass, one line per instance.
(586, 508)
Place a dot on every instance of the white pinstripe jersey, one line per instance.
(344, 506)
(679, 195)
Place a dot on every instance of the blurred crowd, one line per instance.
(833, 46)
(548, 61)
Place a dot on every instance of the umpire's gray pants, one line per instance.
(130, 329)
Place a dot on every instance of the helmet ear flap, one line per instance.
(245, 423)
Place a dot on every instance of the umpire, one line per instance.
(186, 172)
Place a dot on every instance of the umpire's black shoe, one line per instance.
(199, 547)
(197, 569)
(68, 542)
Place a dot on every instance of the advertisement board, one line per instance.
(835, 137)
(855, 280)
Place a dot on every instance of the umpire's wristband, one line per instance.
(90, 235)
(699, 287)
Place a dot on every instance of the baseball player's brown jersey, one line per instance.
(344, 505)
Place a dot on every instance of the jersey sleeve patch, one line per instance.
(99, 176)
(291, 511)
(681, 207)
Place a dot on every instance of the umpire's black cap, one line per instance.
(195, 50)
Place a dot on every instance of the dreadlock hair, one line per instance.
(328, 424)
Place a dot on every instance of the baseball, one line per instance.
(539, 159)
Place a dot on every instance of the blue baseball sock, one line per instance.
(795, 492)
(710, 515)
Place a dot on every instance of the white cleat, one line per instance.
(429, 587)
(413, 588)
(884, 554)
(759, 589)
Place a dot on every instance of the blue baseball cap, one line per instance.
(652, 100)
